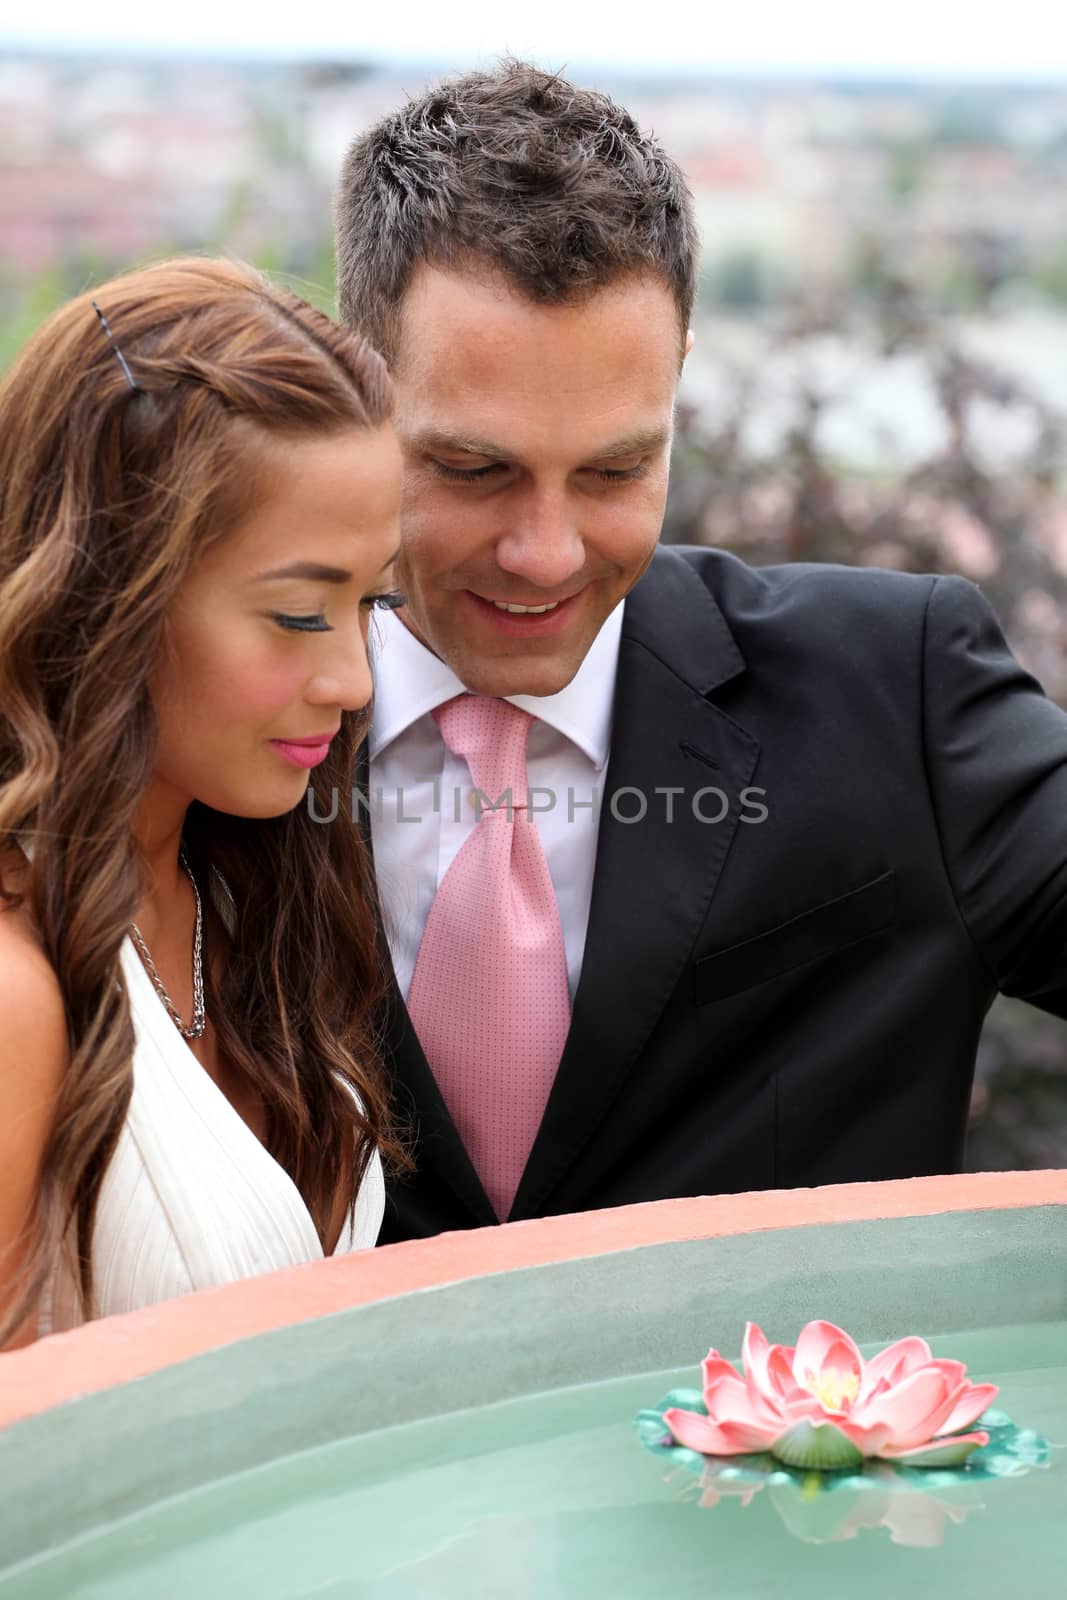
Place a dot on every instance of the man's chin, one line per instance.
(517, 671)
(540, 678)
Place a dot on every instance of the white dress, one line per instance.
(192, 1199)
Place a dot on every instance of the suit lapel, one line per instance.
(654, 878)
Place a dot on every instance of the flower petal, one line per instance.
(768, 1367)
(696, 1432)
(780, 1370)
(947, 1452)
(755, 1349)
(913, 1408)
(714, 1367)
(754, 1353)
(896, 1361)
(821, 1345)
(746, 1436)
(730, 1399)
(935, 1424)
(976, 1398)
(801, 1405)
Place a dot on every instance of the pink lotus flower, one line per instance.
(821, 1405)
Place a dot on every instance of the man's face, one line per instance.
(536, 442)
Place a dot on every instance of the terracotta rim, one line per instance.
(117, 1349)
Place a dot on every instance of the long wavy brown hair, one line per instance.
(108, 495)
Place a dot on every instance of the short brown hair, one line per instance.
(556, 187)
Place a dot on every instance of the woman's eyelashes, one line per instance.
(315, 624)
(390, 601)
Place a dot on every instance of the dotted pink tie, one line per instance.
(488, 996)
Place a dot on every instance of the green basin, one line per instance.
(477, 1439)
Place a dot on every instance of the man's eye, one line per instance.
(315, 624)
(619, 475)
(384, 602)
(466, 474)
(477, 474)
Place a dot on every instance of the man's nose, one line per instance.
(543, 545)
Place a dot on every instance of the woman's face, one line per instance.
(268, 634)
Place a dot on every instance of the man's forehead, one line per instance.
(455, 318)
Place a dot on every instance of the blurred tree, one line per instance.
(1050, 275)
(905, 170)
(740, 281)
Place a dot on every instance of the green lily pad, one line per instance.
(1010, 1452)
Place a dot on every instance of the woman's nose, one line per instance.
(346, 682)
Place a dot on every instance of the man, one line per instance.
(747, 865)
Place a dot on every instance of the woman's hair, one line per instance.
(109, 493)
(552, 186)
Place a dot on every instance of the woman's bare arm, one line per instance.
(33, 1057)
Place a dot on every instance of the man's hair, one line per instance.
(515, 170)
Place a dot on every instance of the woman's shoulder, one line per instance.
(33, 1029)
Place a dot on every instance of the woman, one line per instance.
(198, 501)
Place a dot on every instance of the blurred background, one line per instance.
(880, 368)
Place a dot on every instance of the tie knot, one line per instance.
(490, 735)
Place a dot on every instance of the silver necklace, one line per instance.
(199, 1022)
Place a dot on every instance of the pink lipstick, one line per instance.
(307, 752)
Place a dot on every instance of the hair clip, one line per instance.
(123, 363)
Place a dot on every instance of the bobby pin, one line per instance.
(123, 363)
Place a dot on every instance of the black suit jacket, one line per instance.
(795, 998)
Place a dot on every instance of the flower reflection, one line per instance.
(818, 1510)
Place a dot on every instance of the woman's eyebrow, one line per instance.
(312, 570)
(315, 571)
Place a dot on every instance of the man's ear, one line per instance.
(688, 344)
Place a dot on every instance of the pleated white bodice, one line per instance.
(192, 1199)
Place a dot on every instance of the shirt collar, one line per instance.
(410, 682)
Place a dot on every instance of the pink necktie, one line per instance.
(488, 996)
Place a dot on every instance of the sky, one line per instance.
(909, 38)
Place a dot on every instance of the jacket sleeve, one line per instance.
(995, 749)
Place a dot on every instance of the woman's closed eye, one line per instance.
(315, 624)
(388, 601)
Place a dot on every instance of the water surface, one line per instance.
(551, 1495)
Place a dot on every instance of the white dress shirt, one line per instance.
(422, 805)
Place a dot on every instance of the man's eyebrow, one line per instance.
(635, 444)
(314, 572)
(458, 443)
(640, 442)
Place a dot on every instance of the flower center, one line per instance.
(833, 1390)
